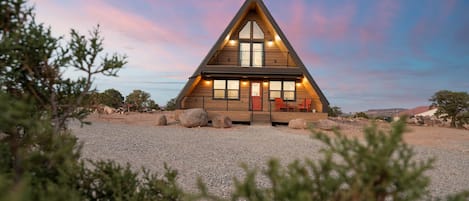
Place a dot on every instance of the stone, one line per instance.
(193, 118)
(177, 113)
(222, 121)
(326, 124)
(108, 110)
(161, 120)
(297, 124)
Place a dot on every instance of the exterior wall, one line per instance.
(201, 97)
(273, 56)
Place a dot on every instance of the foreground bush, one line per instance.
(381, 168)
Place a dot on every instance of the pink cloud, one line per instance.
(377, 28)
(133, 25)
(217, 18)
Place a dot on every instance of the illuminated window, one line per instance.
(226, 89)
(251, 47)
(282, 89)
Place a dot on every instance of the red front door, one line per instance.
(256, 98)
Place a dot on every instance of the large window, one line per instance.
(251, 46)
(226, 89)
(282, 89)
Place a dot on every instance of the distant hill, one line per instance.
(414, 111)
(390, 112)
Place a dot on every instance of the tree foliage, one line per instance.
(360, 115)
(33, 63)
(39, 158)
(171, 104)
(140, 101)
(334, 111)
(111, 97)
(453, 106)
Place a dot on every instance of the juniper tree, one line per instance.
(453, 106)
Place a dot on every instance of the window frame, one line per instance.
(226, 90)
(282, 90)
(251, 41)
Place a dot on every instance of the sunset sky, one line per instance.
(363, 54)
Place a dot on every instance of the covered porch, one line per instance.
(273, 111)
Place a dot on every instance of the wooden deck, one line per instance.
(277, 117)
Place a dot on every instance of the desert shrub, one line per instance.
(334, 111)
(381, 168)
(108, 180)
(360, 115)
(171, 105)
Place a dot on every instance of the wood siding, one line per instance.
(274, 55)
(201, 97)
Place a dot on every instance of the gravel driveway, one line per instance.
(215, 155)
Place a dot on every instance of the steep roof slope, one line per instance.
(248, 4)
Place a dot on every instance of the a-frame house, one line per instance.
(253, 73)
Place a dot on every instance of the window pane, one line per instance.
(233, 94)
(256, 89)
(257, 54)
(274, 94)
(219, 93)
(257, 31)
(245, 54)
(219, 84)
(233, 84)
(289, 85)
(245, 33)
(275, 85)
(288, 95)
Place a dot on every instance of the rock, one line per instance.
(297, 124)
(326, 124)
(161, 120)
(222, 121)
(177, 113)
(193, 118)
(108, 110)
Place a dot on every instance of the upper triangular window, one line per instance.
(253, 28)
(245, 33)
(257, 31)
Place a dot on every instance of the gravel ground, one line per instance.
(215, 155)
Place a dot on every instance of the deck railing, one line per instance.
(210, 104)
(252, 58)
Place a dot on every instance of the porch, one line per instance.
(241, 111)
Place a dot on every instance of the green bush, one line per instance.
(381, 168)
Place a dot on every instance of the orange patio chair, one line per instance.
(306, 105)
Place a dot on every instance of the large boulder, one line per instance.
(193, 118)
(326, 124)
(161, 120)
(108, 110)
(222, 121)
(297, 124)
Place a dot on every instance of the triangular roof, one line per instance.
(245, 8)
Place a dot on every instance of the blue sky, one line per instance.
(362, 54)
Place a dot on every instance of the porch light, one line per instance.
(207, 82)
(270, 43)
(245, 83)
(298, 84)
(277, 38)
(266, 82)
(232, 42)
